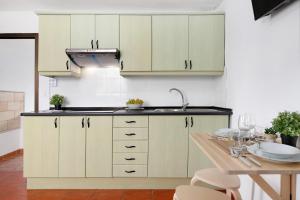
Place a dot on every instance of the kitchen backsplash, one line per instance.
(105, 87)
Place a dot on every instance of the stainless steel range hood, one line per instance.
(94, 57)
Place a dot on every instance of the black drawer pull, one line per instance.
(82, 123)
(186, 64)
(130, 147)
(88, 122)
(129, 158)
(129, 172)
(55, 123)
(130, 122)
(130, 134)
(191, 65)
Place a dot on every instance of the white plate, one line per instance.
(253, 149)
(278, 150)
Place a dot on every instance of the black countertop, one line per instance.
(115, 111)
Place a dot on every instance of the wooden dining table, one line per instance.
(218, 152)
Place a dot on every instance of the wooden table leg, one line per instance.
(285, 187)
(293, 186)
(266, 187)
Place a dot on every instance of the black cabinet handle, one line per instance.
(129, 158)
(130, 134)
(191, 65)
(192, 121)
(67, 64)
(97, 44)
(88, 122)
(82, 123)
(186, 64)
(186, 122)
(130, 147)
(55, 123)
(130, 122)
(129, 172)
(122, 65)
(92, 44)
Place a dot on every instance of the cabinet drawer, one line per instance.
(130, 171)
(131, 121)
(130, 134)
(130, 158)
(130, 146)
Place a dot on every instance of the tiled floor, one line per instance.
(13, 187)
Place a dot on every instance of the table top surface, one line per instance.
(217, 152)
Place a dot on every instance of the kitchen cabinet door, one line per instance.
(135, 43)
(41, 145)
(99, 146)
(83, 31)
(170, 42)
(202, 124)
(168, 146)
(72, 147)
(107, 31)
(54, 38)
(207, 42)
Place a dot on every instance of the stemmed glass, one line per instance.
(246, 124)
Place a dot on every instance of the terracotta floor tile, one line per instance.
(108, 195)
(137, 195)
(78, 194)
(163, 194)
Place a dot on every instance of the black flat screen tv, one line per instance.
(262, 8)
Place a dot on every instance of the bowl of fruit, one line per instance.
(135, 103)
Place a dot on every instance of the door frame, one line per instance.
(35, 37)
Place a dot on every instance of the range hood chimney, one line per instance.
(93, 57)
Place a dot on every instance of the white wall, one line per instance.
(16, 74)
(263, 68)
(17, 69)
(105, 87)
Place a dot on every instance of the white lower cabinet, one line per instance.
(99, 146)
(171, 152)
(116, 146)
(130, 146)
(202, 124)
(72, 147)
(41, 146)
(85, 146)
(168, 146)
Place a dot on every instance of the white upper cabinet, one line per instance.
(107, 31)
(82, 31)
(54, 38)
(206, 42)
(135, 42)
(95, 31)
(170, 42)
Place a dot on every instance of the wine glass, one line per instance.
(246, 124)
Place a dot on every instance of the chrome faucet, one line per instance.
(184, 104)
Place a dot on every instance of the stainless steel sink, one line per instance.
(168, 110)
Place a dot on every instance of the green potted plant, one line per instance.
(288, 125)
(57, 101)
(270, 134)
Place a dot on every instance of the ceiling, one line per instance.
(108, 5)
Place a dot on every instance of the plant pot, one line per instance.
(57, 107)
(270, 137)
(289, 140)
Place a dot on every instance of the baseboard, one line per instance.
(10, 155)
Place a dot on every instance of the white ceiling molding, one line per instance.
(110, 5)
